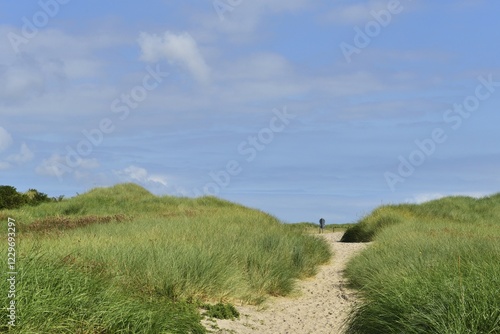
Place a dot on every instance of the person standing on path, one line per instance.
(321, 225)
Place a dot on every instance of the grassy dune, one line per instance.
(121, 260)
(434, 268)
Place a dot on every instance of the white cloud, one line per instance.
(5, 139)
(158, 179)
(51, 66)
(28, 77)
(178, 49)
(134, 173)
(141, 175)
(24, 155)
(56, 166)
(53, 53)
(52, 166)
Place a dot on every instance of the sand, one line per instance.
(321, 305)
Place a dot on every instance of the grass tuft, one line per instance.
(221, 311)
(432, 269)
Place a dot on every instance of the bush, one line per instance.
(10, 198)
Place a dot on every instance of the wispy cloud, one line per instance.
(56, 165)
(5, 139)
(24, 155)
(180, 49)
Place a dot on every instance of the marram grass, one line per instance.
(121, 260)
(433, 268)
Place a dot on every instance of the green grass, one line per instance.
(121, 260)
(221, 311)
(54, 297)
(433, 268)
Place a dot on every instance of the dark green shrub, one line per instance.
(221, 311)
(10, 198)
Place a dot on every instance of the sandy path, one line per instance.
(320, 307)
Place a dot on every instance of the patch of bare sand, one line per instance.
(323, 304)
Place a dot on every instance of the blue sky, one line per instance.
(301, 109)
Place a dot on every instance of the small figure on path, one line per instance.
(321, 225)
